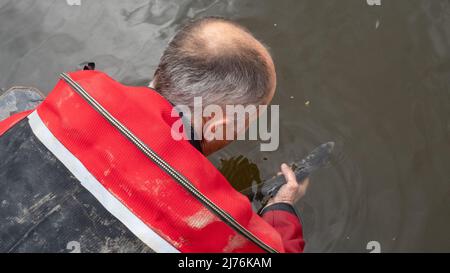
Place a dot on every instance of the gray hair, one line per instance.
(188, 69)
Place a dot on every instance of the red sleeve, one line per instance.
(6, 124)
(283, 218)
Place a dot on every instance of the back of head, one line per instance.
(217, 60)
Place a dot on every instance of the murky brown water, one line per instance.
(375, 79)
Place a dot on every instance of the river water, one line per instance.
(374, 79)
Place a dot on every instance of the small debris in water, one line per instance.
(377, 24)
(73, 2)
(265, 158)
(291, 97)
(307, 103)
(275, 25)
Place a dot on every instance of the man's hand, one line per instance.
(291, 191)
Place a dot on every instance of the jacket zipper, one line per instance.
(183, 181)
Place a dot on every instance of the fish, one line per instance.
(315, 160)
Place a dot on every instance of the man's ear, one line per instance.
(215, 128)
(214, 135)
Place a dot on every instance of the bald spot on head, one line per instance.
(218, 60)
(218, 38)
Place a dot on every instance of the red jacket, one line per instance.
(203, 214)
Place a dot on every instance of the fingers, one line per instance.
(292, 184)
(291, 181)
(288, 174)
(291, 191)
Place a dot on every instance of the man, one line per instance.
(96, 165)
